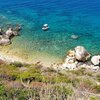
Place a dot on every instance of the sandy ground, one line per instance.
(9, 56)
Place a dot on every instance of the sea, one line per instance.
(64, 17)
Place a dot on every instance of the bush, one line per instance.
(31, 74)
(98, 77)
(93, 98)
(79, 72)
(2, 89)
(63, 91)
(10, 71)
(17, 64)
(2, 92)
(97, 88)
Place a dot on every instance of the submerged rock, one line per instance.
(74, 36)
(96, 60)
(81, 53)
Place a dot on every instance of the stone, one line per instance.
(69, 60)
(81, 54)
(5, 41)
(71, 53)
(74, 36)
(15, 33)
(86, 66)
(95, 67)
(95, 60)
(9, 32)
(69, 66)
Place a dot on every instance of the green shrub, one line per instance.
(64, 90)
(2, 92)
(75, 81)
(98, 77)
(56, 79)
(79, 72)
(62, 79)
(93, 98)
(17, 64)
(10, 70)
(2, 89)
(32, 73)
(97, 88)
(18, 94)
(21, 94)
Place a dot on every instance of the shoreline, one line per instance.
(45, 59)
(77, 58)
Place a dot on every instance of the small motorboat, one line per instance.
(45, 27)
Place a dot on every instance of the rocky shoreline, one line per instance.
(75, 59)
(5, 37)
(79, 58)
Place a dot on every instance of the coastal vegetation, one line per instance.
(34, 82)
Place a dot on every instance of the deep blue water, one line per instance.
(65, 18)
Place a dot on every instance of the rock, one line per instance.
(5, 37)
(95, 60)
(70, 58)
(5, 41)
(17, 28)
(71, 53)
(74, 36)
(15, 33)
(81, 54)
(71, 66)
(70, 62)
(86, 66)
(9, 32)
(94, 67)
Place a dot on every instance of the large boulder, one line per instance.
(5, 41)
(95, 60)
(81, 54)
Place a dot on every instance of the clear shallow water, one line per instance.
(65, 17)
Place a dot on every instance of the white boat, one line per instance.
(45, 27)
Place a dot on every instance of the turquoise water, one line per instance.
(65, 18)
